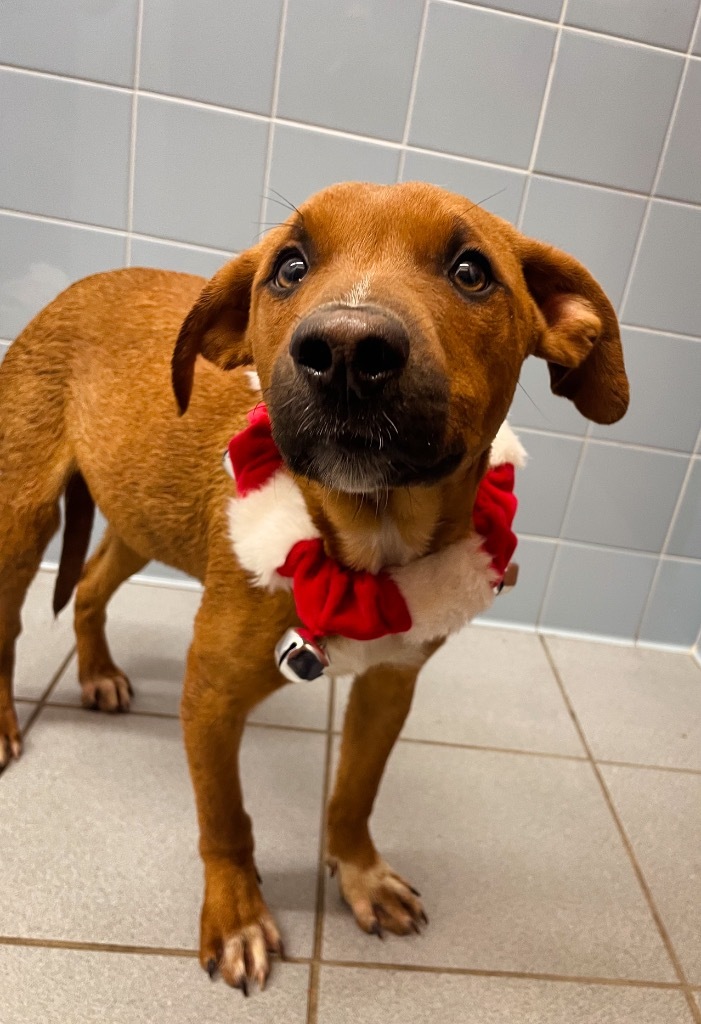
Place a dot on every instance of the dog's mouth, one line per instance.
(363, 449)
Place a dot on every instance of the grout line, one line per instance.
(627, 844)
(56, 75)
(412, 90)
(132, 138)
(103, 229)
(263, 213)
(96, 947)
(488, 749)
(650, 767)
(667, 541)
(575, 29)
(541, 115)
(604, 441)
(465, 972)
(477, 972)
(41, 703)
(319, 911)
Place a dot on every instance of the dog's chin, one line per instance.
(367, 472)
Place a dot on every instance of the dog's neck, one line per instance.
(371, 532)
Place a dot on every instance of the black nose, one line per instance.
(362, 347)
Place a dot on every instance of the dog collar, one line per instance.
(276, 541)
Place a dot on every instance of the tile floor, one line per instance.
(546, 799)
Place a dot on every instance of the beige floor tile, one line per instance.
(105, 845)
(520, 866)
(59, 986)
(634, 705)
(489, 687)
(45, 641)
(24, 710)
(149, 630)
(354, 996)
(661, 812)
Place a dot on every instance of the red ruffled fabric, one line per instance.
(493, 515)
(253, 453)
(332, 600)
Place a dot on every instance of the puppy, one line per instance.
(387, 326)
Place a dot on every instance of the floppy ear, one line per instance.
(216, 325)
(578, 332)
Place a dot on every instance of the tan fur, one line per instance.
(86, 388)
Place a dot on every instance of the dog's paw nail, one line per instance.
(211, 968)
(258, 878)
(243, 985)
(415, 927)
(376, 930)
(424, 917)
(415, 891)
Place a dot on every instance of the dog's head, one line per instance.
(388, 325)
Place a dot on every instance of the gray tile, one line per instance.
(633, 704)
(211, 57)
(71, 142)
(45, 642)
(521, 606)
(76, 37)
(597, 226)
(680, 178)
(149, 631)
(548, 9)
(488, 687)
(697, 41)
(130, 801)
(664, 374)
(462, 92)
(622, 144)
(674, 613)
(624, 497)
(199, 174)
(353, 996)
(668, 25)
(305, 161)
(601, 593)
(543, 487)
(664, 292)
(660, 812)
(494, 188)
(533, 886)
(56, 985)
(149, 253)
(340, 57)
(686, 534)
(535, 405)
(38, 260)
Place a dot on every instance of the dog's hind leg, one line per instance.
(103, 685)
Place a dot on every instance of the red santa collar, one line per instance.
(275, 540)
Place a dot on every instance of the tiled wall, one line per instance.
(149, 131)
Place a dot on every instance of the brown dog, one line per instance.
(388, 325)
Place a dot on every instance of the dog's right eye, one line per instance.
(291, 267)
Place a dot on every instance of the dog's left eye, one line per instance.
(290, 270)
(471, 272)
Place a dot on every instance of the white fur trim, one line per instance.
(506, 447)
(266, 524)
(253, 380)
(443, 591)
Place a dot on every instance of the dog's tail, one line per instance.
(79, 517)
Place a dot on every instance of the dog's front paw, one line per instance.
(109, 690)
(238, 932)
(379, 898)
(10, 736)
